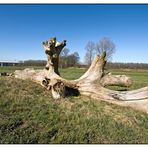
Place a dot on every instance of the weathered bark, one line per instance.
(53, 50)
(90, 84)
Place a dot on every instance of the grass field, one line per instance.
(28, 114)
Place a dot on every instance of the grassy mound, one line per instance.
(28, 114)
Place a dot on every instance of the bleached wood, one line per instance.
(90, 84)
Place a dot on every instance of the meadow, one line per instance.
(28, 114)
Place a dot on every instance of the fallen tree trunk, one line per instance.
(90, 84)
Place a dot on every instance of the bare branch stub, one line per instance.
(53, 50)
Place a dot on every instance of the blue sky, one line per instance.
(24, 27)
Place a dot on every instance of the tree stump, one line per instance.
(90, 84)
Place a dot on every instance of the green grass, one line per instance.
(72, 73)
(11, 69)
(28, 114)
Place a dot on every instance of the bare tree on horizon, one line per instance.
(90, 50)
(106, 45)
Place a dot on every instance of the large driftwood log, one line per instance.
(90, 84)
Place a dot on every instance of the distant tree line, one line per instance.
(143, 66)
(68, 60)
(65, 60)
(72, 60)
